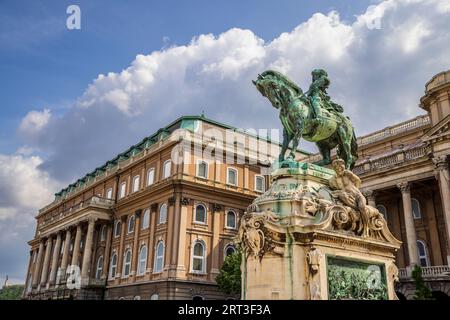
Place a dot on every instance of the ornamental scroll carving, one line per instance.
(253, 236)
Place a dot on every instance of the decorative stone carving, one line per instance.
(252, 234)
(308, 215)
(313, 257)
(185, 201)
(216, 207)
(404, 186)
(171, 201)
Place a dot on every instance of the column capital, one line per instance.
(440, 162)
(404, 187)
(153, 207)
(171, 201)
(138, 213)
(185, 201)
(92, 219)
(216, 207)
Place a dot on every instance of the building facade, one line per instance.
(144, 227)
(156, 222)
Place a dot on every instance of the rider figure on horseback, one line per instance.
(318, 96)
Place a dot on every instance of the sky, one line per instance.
(73, 99)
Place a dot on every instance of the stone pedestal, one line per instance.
(300, 241)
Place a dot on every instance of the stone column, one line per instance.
(48, 251)
(137, 228)
(442, 174)
(181, 252)
(65, 257)
(151, 235)
(123, 228)
(55, 259)
(87, 255)
(106, 256)
(215, 252)
(76, 246)
(370, 196)
(411, 238)
(37, 268)
(170, 233)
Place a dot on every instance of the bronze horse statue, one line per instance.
(323, 125)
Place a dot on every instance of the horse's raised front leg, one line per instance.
(325, 152)
(284, 147)
(345, 138)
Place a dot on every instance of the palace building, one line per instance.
(157, 221)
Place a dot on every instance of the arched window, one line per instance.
(159, 257)
(382, 210)
(127, 263)
(202, 169)
(123, 187)
(113, 266)
(259, 183)
(232, 176)
(197, 298)
(117, 229)
(150, 176)
(136, 183)
(103, 233)
(166, 169)
(200, 213)
(417, 214)
(229, 250)
(131, 221)
(423, 254)
(99, 268)
(198, 257)
(146, 219)
(142, 260)
(109, 193)
(231, 219)
(163, 213)
(137, 298)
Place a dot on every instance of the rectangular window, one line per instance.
(109, 193)
(136, 183)
(123, 187)
(202, 169)
(259, 183)
(232, 176)
(150, 176)
(167, 167)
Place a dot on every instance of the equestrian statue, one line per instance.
(311, 115)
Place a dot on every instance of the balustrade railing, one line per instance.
(427, 272)
(396, 129)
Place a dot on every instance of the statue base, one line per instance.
(300, 242)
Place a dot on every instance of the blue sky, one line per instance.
(44, 64)
(73, 99)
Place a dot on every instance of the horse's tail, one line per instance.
(354, 149)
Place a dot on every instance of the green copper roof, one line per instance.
(185, 122)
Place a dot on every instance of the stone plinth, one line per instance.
(300, 241)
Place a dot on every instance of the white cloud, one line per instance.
(35, 121)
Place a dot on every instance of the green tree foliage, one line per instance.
(422, 291)
(13, 292)
(229, 278)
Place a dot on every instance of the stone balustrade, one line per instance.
(95, 201)
(394, 130)
(427, 272)
(390, 160)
